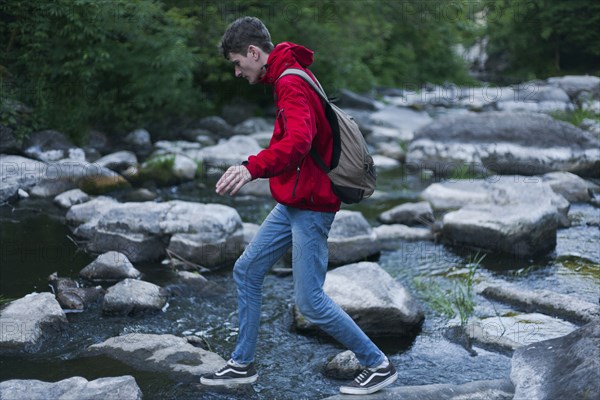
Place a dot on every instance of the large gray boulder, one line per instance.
(570, 186)
(207, 234)
(505, 143)
(510, 214)
(351, 238)
(478, 390)
(19, 173)
(563, 368)
(111, 266)
(401, 124)
(379, 304)
(160, 353)
(132, 296)
(28, 321)
(114, 388)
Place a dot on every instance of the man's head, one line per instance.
(247, 44)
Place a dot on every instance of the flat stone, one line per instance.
(570, 186)
(408, 214)
(501, 389)
(132, 296)
(115, 388)
(545, 301)
(28, 321)
(71, 197)
(391, 237)
(160, 353)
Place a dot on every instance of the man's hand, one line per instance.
(233, 179)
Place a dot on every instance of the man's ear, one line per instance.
(253, 51)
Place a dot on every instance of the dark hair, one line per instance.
(242, 33)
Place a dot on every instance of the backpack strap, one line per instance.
(319, 89)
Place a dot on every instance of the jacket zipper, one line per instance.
(297, 179)
(298, 167)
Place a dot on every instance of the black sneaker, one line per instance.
(371, 380)
(231, 374)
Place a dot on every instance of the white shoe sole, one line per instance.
(230, 381)
(372, 389)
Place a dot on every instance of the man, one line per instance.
(304, 213)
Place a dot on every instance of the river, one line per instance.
(35, 242)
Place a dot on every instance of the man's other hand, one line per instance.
(233, 179)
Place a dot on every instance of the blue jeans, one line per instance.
(306, 231)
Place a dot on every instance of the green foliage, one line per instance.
(457, 299)
(4, 300)
(83, 63)
(541, 38)
(358, 44)
(576, 116)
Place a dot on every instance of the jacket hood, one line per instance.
(286, 55)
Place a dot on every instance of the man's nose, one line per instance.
(238, 72)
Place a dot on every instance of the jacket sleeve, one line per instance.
(299, 131)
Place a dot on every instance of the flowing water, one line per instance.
(35, 242)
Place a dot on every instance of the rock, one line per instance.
(22, 194)
(511, 214)
(175, 147)
(47, 146)
(545, 301)
(351, 238)
(160, 353)
(227, 152)
(570, 186)
(28, 321)
(345, 366)
(257, 187)
(131, 296)
(404, 120)
(114, 388)
(97, 142)
(519, 230)
(348, 99)
(70, 198)
(380, 305)
(478, 390)
(140, 138)
(19, 173)
(70, 296)
(507, 333)
(207, 234)
(505, 143)
(391, 150)
(67, 174)
(250, 230)
(111, 266)
(591, 125)
(573, 84)
(383, 163)
(119, 161)
(408, 214)
(253, 125)
(214, 124)
(167, 169)
(390, 237)
(563, 368)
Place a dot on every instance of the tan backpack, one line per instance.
(352, 171)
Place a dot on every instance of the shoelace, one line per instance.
(363, 375)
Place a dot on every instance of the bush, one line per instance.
(112, 65)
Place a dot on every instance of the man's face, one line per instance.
(249, 66)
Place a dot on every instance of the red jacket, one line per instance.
(295, 179)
